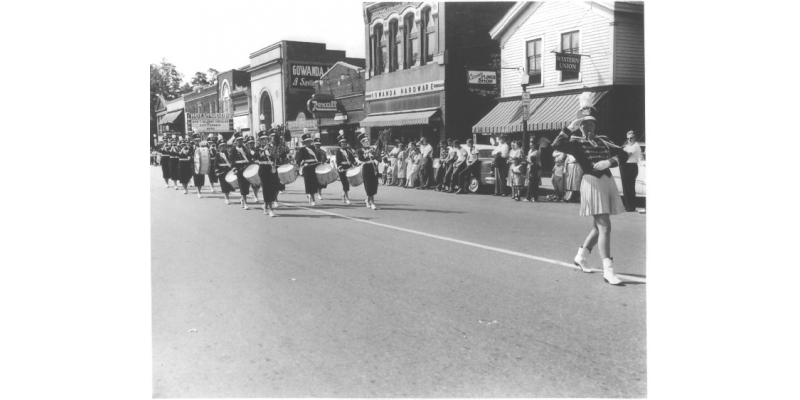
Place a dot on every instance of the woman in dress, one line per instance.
(534, 172)
(241, 157)
(323, 158)
(630, 170)
(212, 157)
(163, 149)
(369, 169)
(222, 165)
(413, 167)
(173, 163)
(393, 164)
(400, 165)
(185, 166)
(268, 174)
(599, 195)
(515, 175)
(306, 159)
(345, 159)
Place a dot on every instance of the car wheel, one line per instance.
(474, 185)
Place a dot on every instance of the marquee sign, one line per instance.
(209, 122)
(566, 62)
(427, 87)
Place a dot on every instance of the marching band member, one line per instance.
(369, 169)
(200, 178)
(222, 166)
(163, 149)
(345, 159)
(306, 159)
(280, 154)
(250, 144)
(268, 173)
(323, 158)
(185, 165)
(212, 160)
(241, 157)
(173, 162)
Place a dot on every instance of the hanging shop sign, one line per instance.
(304, 75)
(319, 103)
(567, 62)
(209, 122)
(482, 77)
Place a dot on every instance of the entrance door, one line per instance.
(265, 109)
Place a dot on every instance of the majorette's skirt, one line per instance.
(244, 184)
(173, 169)
(212, 177)
(345, 182)
(185, 171)
(223, 184)
(310, 179)
(574, 175)
(165, 166)
(270, 184)
(199, 180)
(370, 178)
(599, 196)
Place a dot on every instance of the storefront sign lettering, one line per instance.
(566, 62)
(209, 122)
(427, 87)
(304, 76)
(482, 77)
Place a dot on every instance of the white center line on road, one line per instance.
(480, 246)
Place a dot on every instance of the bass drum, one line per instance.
(232, 180)
(325, 174)
(251, 174)
(201, 161)
(354, 176)
(287, 173)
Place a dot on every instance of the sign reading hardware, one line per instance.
(482, 77)
(304, 76)
(209, 122)
(427, 87)
(566, 62)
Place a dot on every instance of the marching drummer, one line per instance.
(250, 143)
(369, 169)
(222, 166)
(241, 158)
(323, 158)
(185, 165)
(306, 159)
(268, 173)
(163, 150)
(345, 159)
(173, 162)
(199, 176)
(212, 160)
(279, 153)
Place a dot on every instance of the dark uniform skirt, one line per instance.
(345, 182)
(212, 177)
(165, 166)
(199, 180)
(185, 168)
(223, 184)
(173, 168)
(310, 179)
(270, 184)
(370, 176)
(244, 184)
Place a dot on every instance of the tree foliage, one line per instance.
(165, 80)
(199, 79)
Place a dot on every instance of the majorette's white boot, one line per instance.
(608, 272)
(581, 260)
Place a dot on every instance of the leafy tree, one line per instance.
(212, 76)
(165, 80)
(186, 88)
(199, 79)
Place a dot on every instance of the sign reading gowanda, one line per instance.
(482, 77)
(304, 75)
(566, 62)
(209, 122)
(420, 88)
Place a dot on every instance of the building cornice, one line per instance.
(265, 49)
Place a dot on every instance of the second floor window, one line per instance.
(534, 55)
(570, 43)
(377, 50)
(393, 46)
(412, 41)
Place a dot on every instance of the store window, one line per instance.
(379, 48)
(409, 53)
(393, 46)
(570, 43)
(534, 55)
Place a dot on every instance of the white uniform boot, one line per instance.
(608, 272)
(581, 260)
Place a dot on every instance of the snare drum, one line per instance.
(287, 173)
(201, 161)
(251, 174)
(326, 174)
(354, 176)
(232, 180)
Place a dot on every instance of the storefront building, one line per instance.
(282, 81)
(419, 55)
(204, 114)
(171, 118)
(234, 99)
(600, 49)
(338, 103)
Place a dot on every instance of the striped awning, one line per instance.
(171, 117)
(401, 119)
(546, 113)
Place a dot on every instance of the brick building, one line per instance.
(338, 102)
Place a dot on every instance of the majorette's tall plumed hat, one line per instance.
(362, 136)
(586, 111)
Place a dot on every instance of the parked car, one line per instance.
(486, 179)
(641, 179)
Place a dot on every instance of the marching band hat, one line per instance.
(237, 136)
(586, 111)
(363, 136)
(250, 139)
(195, 136)
(317, 141)
(341, 138)
(262, 134)
(306, 137)
(222, 142)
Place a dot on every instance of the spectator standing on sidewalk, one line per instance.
(451, 159)
(458, 166)
(534, 172)
(500, 165)
(426, 165)
(629, 170)
(413, 165)
(516, 177)
(472, 168)
(558, 175)
(441, 170)
(400, 165)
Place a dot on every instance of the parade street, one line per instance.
(431, 295)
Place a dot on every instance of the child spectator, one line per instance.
(558, 175)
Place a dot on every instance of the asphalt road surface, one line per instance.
(432, 295)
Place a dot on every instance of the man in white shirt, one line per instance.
(500, 154)
(629, 170)
(459, 165)
(426, 165)
(472, 168)
(451, 159)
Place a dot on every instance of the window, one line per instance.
(384, 55)
(534, 54)
(393, 41)
(226, 99)
(377, 50)
(429, 31)
(570, 43)
(408, 55)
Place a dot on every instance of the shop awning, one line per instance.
(546, 113)
(171, 117)
(558, 111)
(418, 117)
